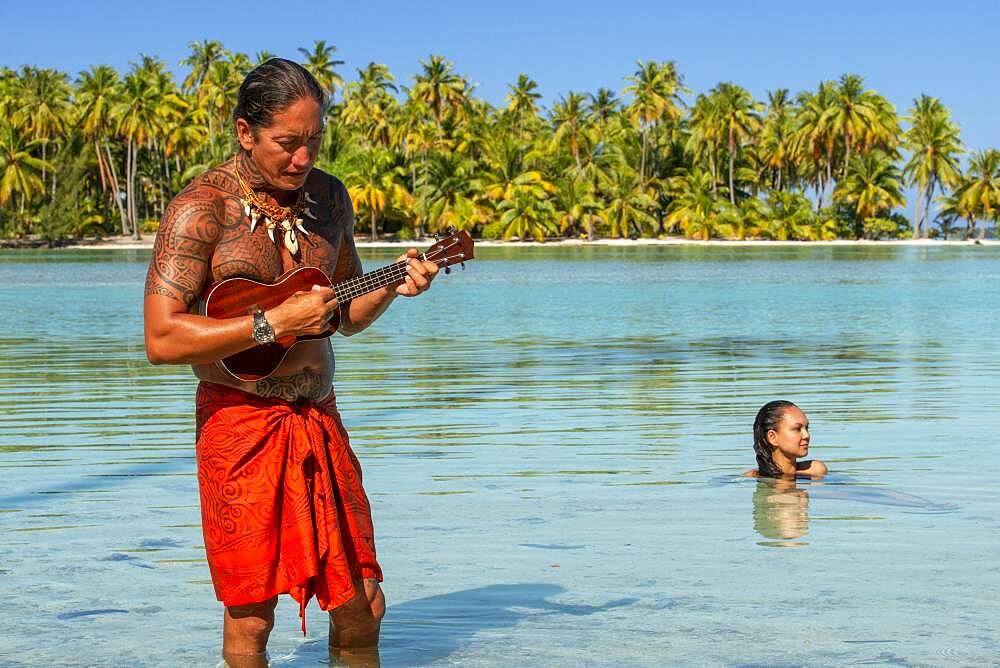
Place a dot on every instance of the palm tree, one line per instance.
(603, 105)
(439, 87)
(655, 91)
(321, 64)
(981, 193)
(568, 118)
(693, 206)
(851, 114)
(529, 213)
(814, 142)
(203, 54)
(950, 210)
(703, 140)
(368, 104)
(46, 110)
(21, 173)
(183, 137)
(627, 206)
(789, 216)
(450, 193)
(776, 145)
(263, 56)
(217, 97)
(873, 186)
(98, 92)
(241, 62)
(375, 186)
(522, 100)
(935, 146)
(138, 119)
(738, 119)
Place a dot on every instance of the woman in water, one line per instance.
(780, 438)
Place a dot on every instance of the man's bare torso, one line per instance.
(212, 235)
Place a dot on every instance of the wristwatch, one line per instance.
(262, 330)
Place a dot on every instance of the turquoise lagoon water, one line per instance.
(551, 442)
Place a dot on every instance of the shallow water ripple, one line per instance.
(551, 442)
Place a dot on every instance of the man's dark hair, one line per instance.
(271, 87)
(768, 418)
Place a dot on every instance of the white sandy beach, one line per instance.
(362, 242)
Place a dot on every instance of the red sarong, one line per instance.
(282, 506)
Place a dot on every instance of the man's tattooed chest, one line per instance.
(253, 255)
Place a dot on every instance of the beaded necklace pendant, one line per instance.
(286, 218)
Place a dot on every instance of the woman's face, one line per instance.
(286, 151)
(791, 437)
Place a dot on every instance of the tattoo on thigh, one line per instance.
(307, 384)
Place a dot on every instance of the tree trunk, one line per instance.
(847, 152)
(916, 217)
(711, 168)
(100, 166)
(654, 149)
(927, 207)
(129, 199)
(116, 191)
(732, 167)
(136, 232)
(829, 167)
(374, 233)
(642, 161)
(423, 196)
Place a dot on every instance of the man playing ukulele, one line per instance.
(283, 508)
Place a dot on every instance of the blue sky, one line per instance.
(902, 49)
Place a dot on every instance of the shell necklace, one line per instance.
(288, 218)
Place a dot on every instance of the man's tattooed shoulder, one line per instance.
(190, 229)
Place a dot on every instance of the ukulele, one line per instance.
(235, 297)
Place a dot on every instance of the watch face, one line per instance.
(262, 330)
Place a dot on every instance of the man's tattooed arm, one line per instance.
(178, 271)
(183, 250)
(306, 384)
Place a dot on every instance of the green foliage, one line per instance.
(425, 155)
(73, 210)
(894, 226)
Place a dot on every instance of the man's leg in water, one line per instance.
(354, 626)
(245, 630)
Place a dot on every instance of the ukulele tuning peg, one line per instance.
(463, 265)
(447, 270)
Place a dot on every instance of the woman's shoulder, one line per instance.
(812, 467)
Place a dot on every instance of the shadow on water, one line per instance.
(425, 630)
(117, 476)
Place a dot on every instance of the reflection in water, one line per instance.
(781, 507)
(780, 512)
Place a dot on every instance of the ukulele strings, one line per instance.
(393, 273)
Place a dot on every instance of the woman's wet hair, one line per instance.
(271, 87)
(768, 418)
